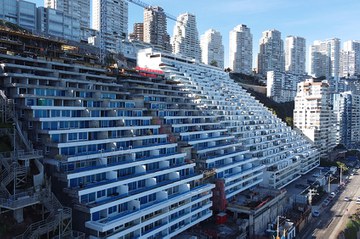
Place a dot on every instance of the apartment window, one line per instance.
(83, 135)
(55, 113)
(64, 125)
(101, 193)
(112, 209)
(72, 136)
(66, 113)
(123, 207)
(30, 102)
(55, 138)
(96, 216)
(111, 191)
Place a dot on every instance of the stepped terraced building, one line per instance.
(284, 153)
(138, 154)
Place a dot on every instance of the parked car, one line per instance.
(316, 213)
(326, 202)
(347, 199)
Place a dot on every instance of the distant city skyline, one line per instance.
(313, 20)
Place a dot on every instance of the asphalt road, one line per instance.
(333, 218)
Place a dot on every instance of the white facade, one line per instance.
(295, 55)
(155, 27)
(241, 49)
(212, 48)
(281, 86)
(57, 23)
(350, 59)
(271, 53)
(285, 154)
(325, 58)
(110, 18)
(313, 114)
(185, 40)
(22, 13)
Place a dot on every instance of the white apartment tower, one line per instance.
(110, 18)
(240, 49)
(79, 9)
(271, 54)
(185, 40)
(212, 49)
(155, 27)
(350, 59)
(295, 55)
(313, 114)
(325, 58)
(281, 86)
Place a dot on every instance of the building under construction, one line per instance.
(122, 172)
(28, 208)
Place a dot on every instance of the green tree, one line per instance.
(289, 120)
(214, 63)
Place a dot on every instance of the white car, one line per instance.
(347, 199)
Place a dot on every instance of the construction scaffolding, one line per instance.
(23, 184)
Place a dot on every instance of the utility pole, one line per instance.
(277, 228)
(340, 175)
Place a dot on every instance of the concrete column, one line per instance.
(251, 226)
(19, 215)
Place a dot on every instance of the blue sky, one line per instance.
(312, 19)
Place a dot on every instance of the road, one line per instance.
(333, 218)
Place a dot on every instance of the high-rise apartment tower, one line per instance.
(325, 58)
(79, 9)
(271, 54)
(185, 40)
(313, 114)
(295, 55)
(240, 49)
(155, 27)
(110, 18)
(212, 49)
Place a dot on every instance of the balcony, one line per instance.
(134, 192)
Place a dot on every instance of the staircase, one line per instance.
(8, 114)
(58, 216)
(52, 223)
(6, 109)
(15, 171)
